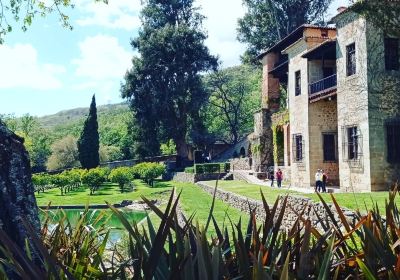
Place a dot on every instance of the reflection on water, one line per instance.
(117, 229)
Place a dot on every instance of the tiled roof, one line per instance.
(285, 42)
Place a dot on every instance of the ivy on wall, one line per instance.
(279, 120)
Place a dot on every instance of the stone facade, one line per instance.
(337, 118)
(241, 163)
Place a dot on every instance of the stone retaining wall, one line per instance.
(193, 178)
(240, 163)
(295, 204)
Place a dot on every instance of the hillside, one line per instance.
(77, 115)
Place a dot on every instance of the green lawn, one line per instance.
(195, 200)
(348, 200)
(107, 192)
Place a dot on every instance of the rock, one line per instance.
(125, 203)
(17, 199)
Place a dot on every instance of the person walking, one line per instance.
(271, 177)
(279, 177)
(324, 180)
(318, 180)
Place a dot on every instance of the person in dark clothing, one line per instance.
(272, 178)
(324, 180)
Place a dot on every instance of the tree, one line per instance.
(121, 176)
(64, 154)
(234, 97)
(24, 11)
(89, 143)
(39, 150)
(268, 21)
(164, 84)
(93, 179)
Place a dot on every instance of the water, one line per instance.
(117, 229)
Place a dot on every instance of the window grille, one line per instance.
(298, 148)
(393, 141)
(352, 144)
(297, 76)
(392, 54)
(351, 59)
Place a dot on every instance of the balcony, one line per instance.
(322, 88)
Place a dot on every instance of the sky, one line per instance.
(49, 68)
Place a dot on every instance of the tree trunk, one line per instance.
(17, 197)
(181, 152)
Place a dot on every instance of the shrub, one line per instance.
(93, 178)
(189, 170)
(211, 168)
(148, 171)
(121, 176)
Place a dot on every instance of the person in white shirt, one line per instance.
(318, 181)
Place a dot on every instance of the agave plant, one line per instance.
(365, 248)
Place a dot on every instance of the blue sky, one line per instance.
(50, 68)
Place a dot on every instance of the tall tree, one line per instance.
(164, 84)
(88, 143)
(268, 21)
(234, 97)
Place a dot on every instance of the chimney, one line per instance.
(341, 9)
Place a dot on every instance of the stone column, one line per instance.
(270, 84)
(286, 147)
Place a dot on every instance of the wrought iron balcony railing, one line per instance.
(325, 84)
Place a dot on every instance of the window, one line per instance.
(298, 147)
(352, 143)
(351, 59)
(392, 54)
(329, 146)
(393, 142)
(297, 77)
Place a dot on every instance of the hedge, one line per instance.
(212, 168)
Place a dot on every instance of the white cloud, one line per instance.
(102, 58)
(118, 14)
(20, 68)
(221, 24)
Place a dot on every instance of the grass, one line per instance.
(107, 192)
(353, 201)
(194, 200)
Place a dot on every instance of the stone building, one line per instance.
(331, 101)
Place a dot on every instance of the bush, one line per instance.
(189, 170)
(93, 178)
(148, 171)
(212, 168)
(121, 176)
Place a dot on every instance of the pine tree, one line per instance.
(88, 143)
(164, 85)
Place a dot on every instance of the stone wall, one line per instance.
(323, 114)
(352, 104)
(295, 204)
(193, 178)
(240, 163)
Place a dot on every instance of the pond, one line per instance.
(117, 229)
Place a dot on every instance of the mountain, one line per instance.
(78, 115)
